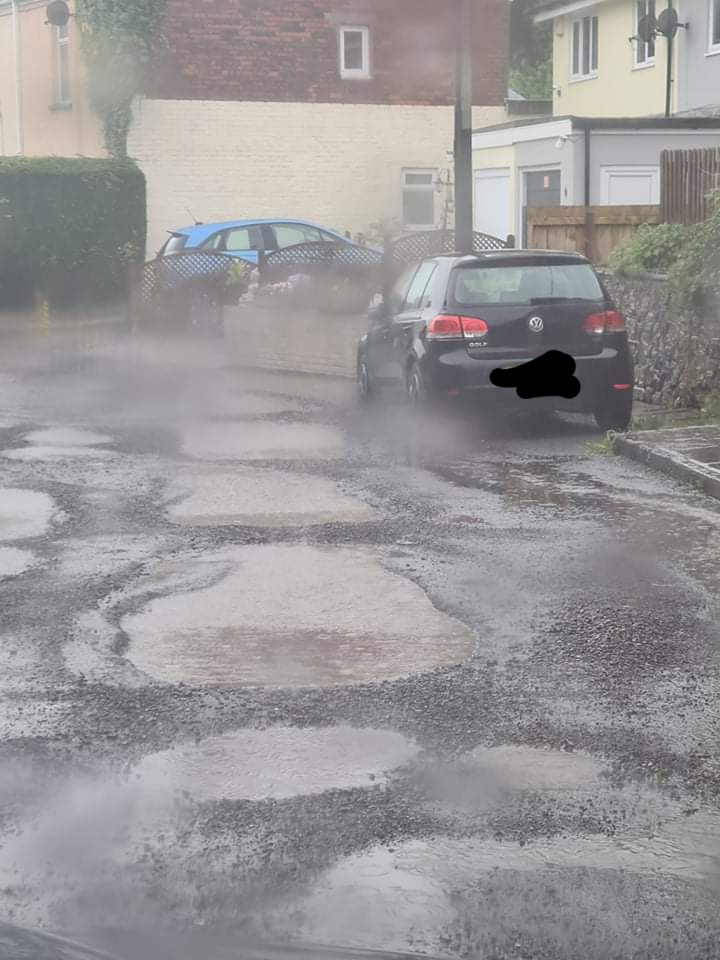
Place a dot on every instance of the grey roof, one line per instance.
(677, 122)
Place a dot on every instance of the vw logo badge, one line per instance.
(536, 324)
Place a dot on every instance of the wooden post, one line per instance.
(589, 233)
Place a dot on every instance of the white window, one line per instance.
(418, 199)
(354, 52)
(714, 26)
(62, 65)
(643, 53)
(584, 48)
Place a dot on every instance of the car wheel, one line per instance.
(365, 389)
(614, 412)
(417, 391)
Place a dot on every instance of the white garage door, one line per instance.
(630, 185)
(492, 202)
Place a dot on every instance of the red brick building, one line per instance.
(337, 111)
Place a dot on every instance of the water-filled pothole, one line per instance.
(295, 616)
(14, 562)
(24, 514)
(279, 762)
(263, 498)
(66, 437)
(246, 440)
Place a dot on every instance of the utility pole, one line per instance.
(463, 128)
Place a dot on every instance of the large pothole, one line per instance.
(263, 498)
(248, 440)
(295, 616)
(279, 762)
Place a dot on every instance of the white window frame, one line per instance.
(419, 187)
(593, 18)
(713, 24)
(355, 74)
(638, 45)
(62, 42)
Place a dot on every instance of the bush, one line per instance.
(69, 228)
(653, 249)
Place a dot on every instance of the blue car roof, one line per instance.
(201, 231)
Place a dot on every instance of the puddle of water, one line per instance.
(262, 441)
(295, 616)
(484, 777)
(263, 498)
(14, 561)
(391, 897)
(66, 437)
(57, 453)
(24, 514)
(279, 762)
(525, 768)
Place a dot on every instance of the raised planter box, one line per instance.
(277, 337)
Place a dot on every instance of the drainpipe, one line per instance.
(18, 79)
(587, 164)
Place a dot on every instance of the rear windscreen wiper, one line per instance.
(535, 301)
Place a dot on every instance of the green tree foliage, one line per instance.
(652, 249)
(530, 53)
(69, 228)
(120, 37)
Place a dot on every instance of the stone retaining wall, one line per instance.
(677, 355)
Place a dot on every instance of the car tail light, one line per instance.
(473, 328)
(609, 321)
(445, 327)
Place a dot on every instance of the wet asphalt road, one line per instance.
(268, 664)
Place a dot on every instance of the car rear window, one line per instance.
(524, 284)
(175, 244)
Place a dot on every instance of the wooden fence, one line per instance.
(688, 180)
(593, 231)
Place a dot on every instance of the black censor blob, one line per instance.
(550, 375)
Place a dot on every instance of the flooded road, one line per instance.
(275, 664)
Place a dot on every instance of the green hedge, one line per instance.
(69, 228)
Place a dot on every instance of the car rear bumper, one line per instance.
(456, 371)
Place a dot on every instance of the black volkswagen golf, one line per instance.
(451, 321)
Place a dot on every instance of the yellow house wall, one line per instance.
(44, 130)
(619, 89)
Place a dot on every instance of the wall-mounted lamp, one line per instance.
(565, 138)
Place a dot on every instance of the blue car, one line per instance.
(245, 239)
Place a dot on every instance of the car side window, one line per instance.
(244, 238)
(213, 243)
(400, 289)
(288, 234)
(416, 293)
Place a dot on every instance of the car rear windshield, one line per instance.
(175, 244)
(524, 284)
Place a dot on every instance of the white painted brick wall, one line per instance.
(337, 164)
